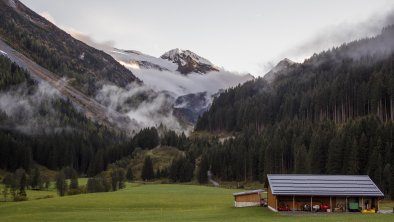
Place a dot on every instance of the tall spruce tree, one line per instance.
(61, 184)
(301, 161)
(203, 170)
(352, 166)
(147, 169)
(392, 183)
(335, 156)
(36, 179)
(129, 174)
(386, 179)
(74, 183)
(22, 185)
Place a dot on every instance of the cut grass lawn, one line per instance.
(157, 202)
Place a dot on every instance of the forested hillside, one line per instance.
(57, 51)
(350, 81)
(39, 126)
(331, 114)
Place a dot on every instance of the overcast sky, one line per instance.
(243, 35)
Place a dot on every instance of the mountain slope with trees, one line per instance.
(37, 127)
(57, 51)
(350, 81)
(332, 114)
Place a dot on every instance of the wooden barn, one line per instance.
(328, 193)
(247, 198)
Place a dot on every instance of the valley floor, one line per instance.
(156, 202)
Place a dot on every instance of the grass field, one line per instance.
(156, 202)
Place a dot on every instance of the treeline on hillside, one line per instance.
(71, 139)
(11, 74)
(66, 182)
(328, 95)
(363, 146)
(329, 86)
(332, 114)
(57, 51)
(88, 149)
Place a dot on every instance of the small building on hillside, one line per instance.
(329, 193)
(247, 198)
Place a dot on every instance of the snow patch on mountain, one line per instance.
(144, 61)
(188, 96)
(162, 75)
(189, 62)
(179, 54)
(3, 53)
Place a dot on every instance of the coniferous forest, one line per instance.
(332, 114)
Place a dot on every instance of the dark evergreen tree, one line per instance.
(129, 174)
(181, 170)
(203, 170)
(97, 164)
(118, 177)
(353, 167)
(46, 182)
(392, 183)
(335, 155)
(114, 181)
(70, 172)
(36, 179)
(22, 185)
(386, 183)
(74, 183)
(61, 184)
(301, 161)
(374, 168)
(94, 185)
(147, 169)
(363, 153)
(147, 138)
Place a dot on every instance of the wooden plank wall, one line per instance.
(271, 198)
(254, 197)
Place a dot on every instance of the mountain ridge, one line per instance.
(277, 70)
(356, 70)
(35, 37)
(163, 75)
(189, 61)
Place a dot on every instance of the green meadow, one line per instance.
(156, 202)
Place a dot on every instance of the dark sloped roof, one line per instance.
(323, 185)
(247, 192)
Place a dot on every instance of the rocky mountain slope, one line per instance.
(52, 48)
(91, 108)
(106, 87)
(189, 61)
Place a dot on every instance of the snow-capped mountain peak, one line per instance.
(189, 61)
(180, 54)
(178, 75)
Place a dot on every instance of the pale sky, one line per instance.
(243, 35)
